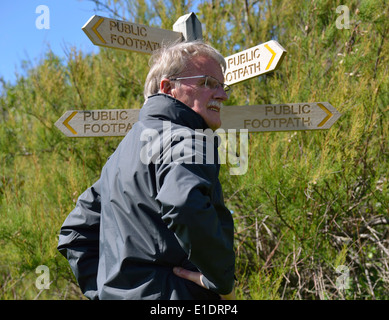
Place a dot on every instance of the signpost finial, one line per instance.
(189, 26)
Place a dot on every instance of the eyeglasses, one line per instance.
(209, 82)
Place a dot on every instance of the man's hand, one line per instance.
(197, 277)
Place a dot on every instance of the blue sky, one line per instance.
(20, 39)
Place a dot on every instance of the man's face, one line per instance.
(205, 101)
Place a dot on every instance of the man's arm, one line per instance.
(79, 240)
(202, 226)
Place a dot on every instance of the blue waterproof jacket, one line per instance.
(158, 204)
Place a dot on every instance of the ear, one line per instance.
(165, 87)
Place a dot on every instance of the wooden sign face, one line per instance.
(256, 118)
(126, 35)
(253, 62)
(280, 117)
(97, 123)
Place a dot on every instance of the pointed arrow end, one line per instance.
(90, 28)
(331, 113)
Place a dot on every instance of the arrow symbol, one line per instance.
(329, 114)
(272, 57)
(66, 122)
(94, 28)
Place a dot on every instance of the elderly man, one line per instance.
(157, 227)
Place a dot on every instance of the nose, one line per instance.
(220, 94)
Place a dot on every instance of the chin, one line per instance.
(214, 126)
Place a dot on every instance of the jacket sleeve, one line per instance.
(79, 240)
(202, 224)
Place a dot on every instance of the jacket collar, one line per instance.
(164, 107)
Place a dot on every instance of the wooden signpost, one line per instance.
(257, 118)
(253, 62)
(241, 66)
(131, 36)
(125, 35)
(280, 117)
(97, 123)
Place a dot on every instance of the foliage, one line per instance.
(309, 202)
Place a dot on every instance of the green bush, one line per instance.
(310, 201)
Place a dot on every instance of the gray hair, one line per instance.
(171, 60)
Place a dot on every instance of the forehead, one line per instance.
(204, 65)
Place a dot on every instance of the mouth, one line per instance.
(216, 109)
(214, 105)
